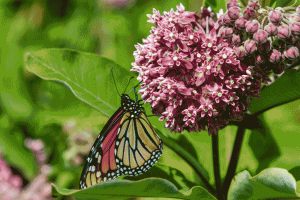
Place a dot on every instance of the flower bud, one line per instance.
(225, 32)
(220, 20)
(228, 32)
(291, 52)
(249, 13)
(227, 20)
(275, 17)
(275, 56)
(240, 23)
(234, 12)
(240, 52)
(260, 36)
(250, 46)
(232, 3)
(236, 40)
(265, 47)
(254, 5)
(295, 28)
(283, 32)
(271, 29)
(279, 68)
(222, 32)
(252, 26)
(260, 59)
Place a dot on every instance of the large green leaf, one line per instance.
(88, 75)
(123, 189)
(272, 183)
(285, 89)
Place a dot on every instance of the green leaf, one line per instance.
(264, 3)
(123, 189)
(280, 3)
(263, 145)
(166, 172)
(285, 89)
(272, 183)
(216, 5)
(88, 75)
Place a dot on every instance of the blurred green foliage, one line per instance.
(34, 108)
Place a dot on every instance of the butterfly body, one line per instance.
(127, 145)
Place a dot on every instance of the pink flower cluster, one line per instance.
(37, 147)
(39, 188)
(267, 38)
(191, 77)
(10, 184)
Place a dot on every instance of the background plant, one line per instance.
(38, 109)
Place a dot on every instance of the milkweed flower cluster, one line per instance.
(39, 188)
(11, 185)
(37, 147)
(267, 38)
(195, 72)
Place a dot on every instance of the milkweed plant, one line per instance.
(198, 71)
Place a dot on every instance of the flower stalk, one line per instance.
(234, 158)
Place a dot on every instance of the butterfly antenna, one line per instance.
(127, 85)
(134, 88)
(114, 80)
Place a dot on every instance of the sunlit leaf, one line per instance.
(123, 189)
(88, 75)
(271, 183)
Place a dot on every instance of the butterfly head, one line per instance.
(131, 106)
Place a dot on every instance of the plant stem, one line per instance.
(215, 147)
(234, 158)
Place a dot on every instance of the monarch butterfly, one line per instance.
(127, 145)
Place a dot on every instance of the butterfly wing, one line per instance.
(138, 146)
(100, 159)
(127, 145)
